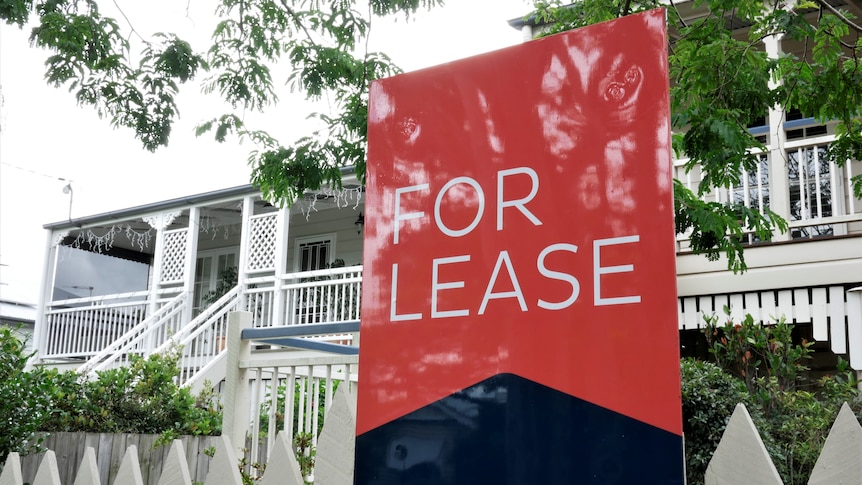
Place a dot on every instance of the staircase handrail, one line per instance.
(199, 323)
(207, 320)
(111, 351)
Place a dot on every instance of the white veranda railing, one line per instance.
(81, 327)
(819, 191)
(140, 339)
(322, 296)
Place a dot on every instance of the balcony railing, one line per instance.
(82, 328)
(79, 328)
(819, 195)
(322, 296)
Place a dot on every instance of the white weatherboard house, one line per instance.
(130, 281)
(127, 282)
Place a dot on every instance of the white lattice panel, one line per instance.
(174, 256)
(261, 254)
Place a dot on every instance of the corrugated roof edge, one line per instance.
(162, 205)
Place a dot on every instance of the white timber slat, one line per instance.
(335, 449)
(854, 329)
(818, 314)
(48, 473)
(741, 456)
(692, 317)
(752, 306)
(88, 472)
(767, 306)
(706, 307)
(841, 459)
(176, 469)
(737, 307)
(837, 330)
(12, 470)
(785, 306)
(130, 469)
(680, 316)
(224, 467)
(801, 305)
(282, 467)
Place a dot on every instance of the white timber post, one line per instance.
(281, 238)
(237, 393)
(854, 320)
(779, 180)
(159, 222)
(190, 262)
(244, 244)
(156, 222)
(46, 293)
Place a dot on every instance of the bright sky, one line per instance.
(45, 137)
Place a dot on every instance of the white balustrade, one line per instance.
(81, 327)
(820, 191)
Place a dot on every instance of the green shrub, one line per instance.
(709, 395)
(139, 398)
(752, 351)
(24, 397)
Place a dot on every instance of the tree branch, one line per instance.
(626, 7)
(840, 15)
(295, 17)
(132, 27)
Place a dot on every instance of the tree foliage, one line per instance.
(721, 78)
(721, 85)
(139, 398)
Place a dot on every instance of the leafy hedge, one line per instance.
(24, 397)
(139, 398)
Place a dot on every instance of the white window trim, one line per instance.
(299, 241)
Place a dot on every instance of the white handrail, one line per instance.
(200, 349)
(112, 351)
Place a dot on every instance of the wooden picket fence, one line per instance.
(110, 448)
(740, 458)
(333, 461)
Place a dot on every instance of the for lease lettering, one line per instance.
(504, 269)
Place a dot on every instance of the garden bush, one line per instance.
(24, 399)
(141, 397)
(709, 396)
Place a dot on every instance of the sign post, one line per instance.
(519, 298)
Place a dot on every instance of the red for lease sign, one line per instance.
(519, 222)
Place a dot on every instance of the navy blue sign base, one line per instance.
(505, 430)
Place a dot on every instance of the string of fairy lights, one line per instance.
(101, 239)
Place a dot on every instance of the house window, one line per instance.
(752, 191)
(811, 197)
(314, 252)
(209, 273)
